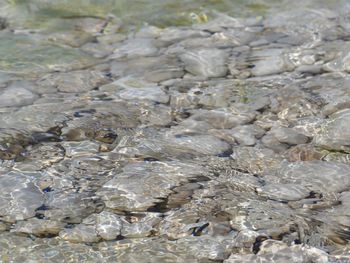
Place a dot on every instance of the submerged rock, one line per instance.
(205, 62)
(16, 97)
(20, 197)
(335, 133)
(277, 251)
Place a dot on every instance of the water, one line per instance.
(174, 131)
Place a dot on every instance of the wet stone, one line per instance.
(199, 144)
(80, 234)
(255, 160)
(108, 225)
(268, 62)
(16, 96)
(317, 176)
(76, 81)
(205, 62)
(139, 47)
(277, 251)
(334, 134)
(223, 119)
(124, 193)
(20, 197)
(39, 227)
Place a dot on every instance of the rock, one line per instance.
(131, 88)
(16, 97)
(125, 193)
(199, 144)
(277, 251)
(20, 197)
(318, 176)
(335, 132)
(255, 160)
(269, 62)
(80, 234)
(69, 206)
(172, 34)
(75, 81)
(73, 149)
(39, 227)
(223, 119)
(133, 48)
(288, 136)
(153, 69)
(141, 226)
(208, 63)
(284, 192)
(247, 134)
(108, 225)
(152, 94)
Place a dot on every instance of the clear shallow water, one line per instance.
(168, 131)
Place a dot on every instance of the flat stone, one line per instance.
(75, 81)
(208, 63)
(138, 47)
(108, 225)
(284, 192)
(19, 196)
(318, 176)
(288, 136)
(16, 97)
(277, 251)
(152, 94)
(39, 227)
(172, 34)
(223, 119)
(80, 234)
(255, 160)
(335, 132)
(125, 192)
(199, 144)
(269, 62)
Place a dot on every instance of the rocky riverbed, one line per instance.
(227, 140)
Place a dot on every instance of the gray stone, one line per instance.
(133, 48)
(209, 63)
(277, 251)
(108, 225)
(16, 96)
(76, 81)
(335, 132)
(223, 119)
(80, 234)
(20, 197)
(269, 62)
(318, 176)
(288, 136)
(38, 227)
